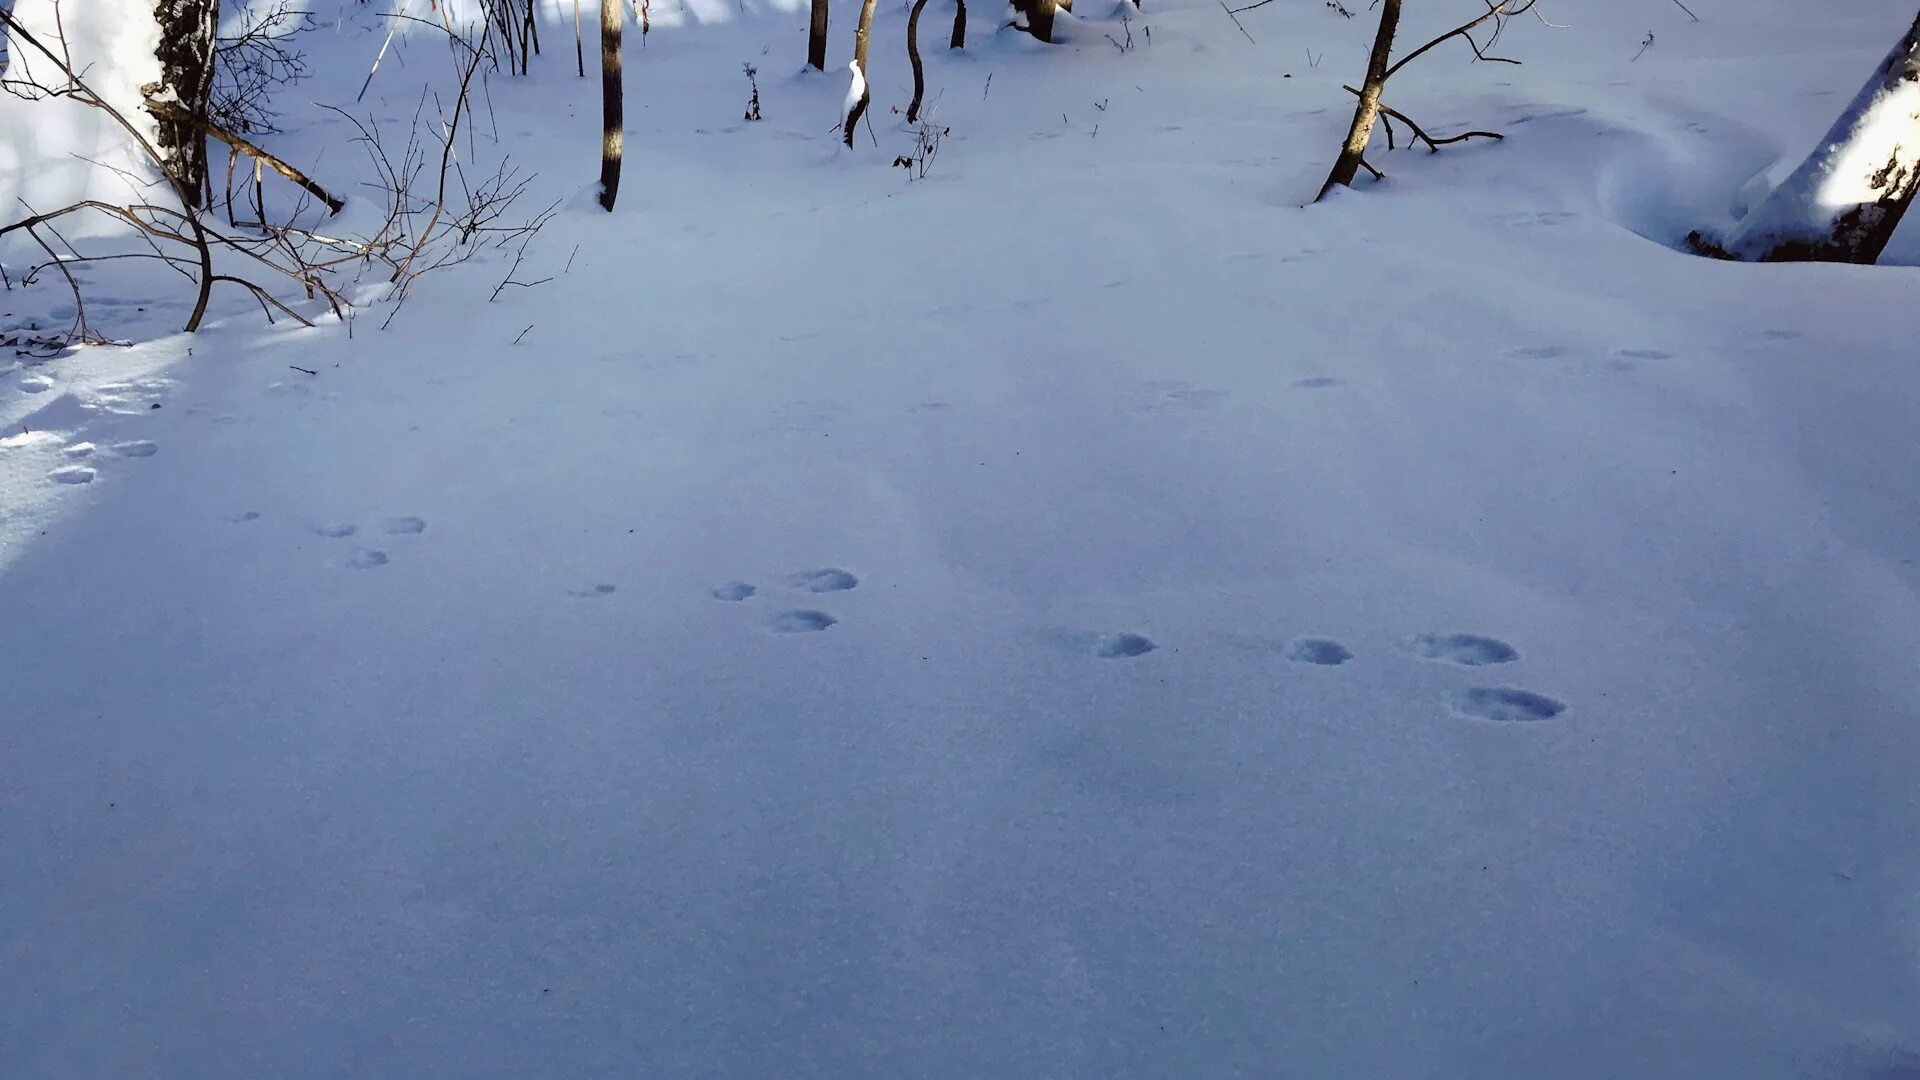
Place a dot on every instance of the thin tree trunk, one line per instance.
(913, 57)
(188, 30)
(613, 120)
(861, 33)
(1845, 201)
(1040, 19)
(959, 39)
(579, 48)
(1352, 154)
(817, 36)
(858, 107)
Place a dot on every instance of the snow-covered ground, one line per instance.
(1080, 614)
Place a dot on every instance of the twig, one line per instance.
(523, 333)
(1688, 10)
(1235, 16)
(1433, 144)
(297, 367)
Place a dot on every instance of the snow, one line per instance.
(1081, 613)
(856, 88)
(54, 151)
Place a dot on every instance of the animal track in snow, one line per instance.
(1523, 219)
(1505, 704)
(1175, 395)
(36, 384)
(336, 531)
(244, 516)
(800, 622)
(72, 474)
(829, 579)
(366, 558)
(595, 591)
(1643, 354)
(732, 591)
(1467, 650)
(138, 448)
(1317, 382)
(1122, 646)
(1534, 352)
(404, 526)
(1324, 651)
(79, 450)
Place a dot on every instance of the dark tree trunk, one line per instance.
(612, 106)
(1352, 154)
(817, 36)
(188, 29)
(1040, 19)
(913, 57)
(959, 39)
(1845, 201)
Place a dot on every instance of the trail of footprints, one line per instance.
(1502, 704)
(828, 579)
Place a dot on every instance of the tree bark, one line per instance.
(1844, 202)
(913, 57)
(1040, 19)
(959, 39)
(817, 36)
(1347, 165)
(612, 110)
(188, 32)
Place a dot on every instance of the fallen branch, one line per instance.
(170, 110)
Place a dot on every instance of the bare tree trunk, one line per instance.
(579, 49)
(1040, 19)
(1843, 203)
(188, 29)
(857, 107)
(913, 57)
(1352, 154)
(612, 110)
(817, 36)
(959, 39)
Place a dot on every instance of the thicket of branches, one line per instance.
(435, 210)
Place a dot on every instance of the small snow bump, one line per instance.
(72, 474)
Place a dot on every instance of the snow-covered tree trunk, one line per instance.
(1843, 203)
(188, 30)
(857, 93)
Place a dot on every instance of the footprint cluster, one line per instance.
(799, 620)
(73, 475)
(359, 557)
